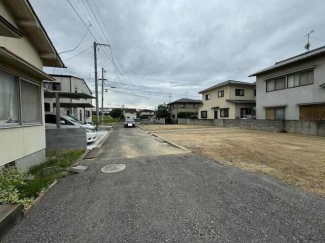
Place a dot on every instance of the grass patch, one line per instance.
(23, 187)
(107, 119)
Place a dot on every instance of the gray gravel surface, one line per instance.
(172, 198)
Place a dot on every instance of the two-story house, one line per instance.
(79, 108)
(293, 89)
(228, 100)
(183, 105)
(25, 48)
(146, 114)
(129, 113)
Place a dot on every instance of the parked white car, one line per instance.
(70, 122)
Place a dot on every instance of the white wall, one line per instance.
(293, 96)
(68, 84)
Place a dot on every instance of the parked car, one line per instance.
(129, 123)
(248, 117)
(71, 122)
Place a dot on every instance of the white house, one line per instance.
(25, 48)
(293, 89)
(130, 113)
(146, 114)
(80, 108)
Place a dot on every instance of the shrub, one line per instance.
(186, 114)
(11, 180)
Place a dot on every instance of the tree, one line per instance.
(116, 113)
(162, 111)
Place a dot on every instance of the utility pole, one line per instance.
(96, 82)
(103, 80)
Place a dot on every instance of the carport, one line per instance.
(76, 96)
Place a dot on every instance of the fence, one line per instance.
(315, 128)
(66, 139)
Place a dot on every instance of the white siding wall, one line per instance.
(293, 96)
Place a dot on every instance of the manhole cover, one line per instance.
(113, 168)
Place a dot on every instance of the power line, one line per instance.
(136, 95)
(78, 54)
(79, 42)
(157, 92)
(81, 18)
(107, 39)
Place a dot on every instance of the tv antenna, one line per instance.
(307, 46)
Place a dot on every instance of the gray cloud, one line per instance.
(174, 46)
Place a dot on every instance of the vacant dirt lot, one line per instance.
(297, 159)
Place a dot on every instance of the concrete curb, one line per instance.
(172, 143)
(167, 141)
(103, 139)
(10, 215)
(36, 201)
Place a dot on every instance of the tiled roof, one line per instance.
(185, 100)
(228, 82)
(303, 56)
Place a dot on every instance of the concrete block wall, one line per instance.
(64, 139)
(160, 120)
(315, 128)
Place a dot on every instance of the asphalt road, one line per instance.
(166, 195)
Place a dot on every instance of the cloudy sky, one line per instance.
(168, 49)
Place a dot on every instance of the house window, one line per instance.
(30, 99)
(274, 113)
(239, 92)
(183, 105)
(52, 86)
(224, 112)
(312, 112)
(300, 79)
(204, 114)
(275, 84)
(47, 106)
(20, 101)
(221, 93)
(245, 112)
(9, 99)
(207, 97)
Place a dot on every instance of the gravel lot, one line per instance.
(297, 159)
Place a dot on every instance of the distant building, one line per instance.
(293, 89)
(146, 114)
(79, 108)
(228, 100)
(183, 105)
(129, 113)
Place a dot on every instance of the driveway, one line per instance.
(166, 195)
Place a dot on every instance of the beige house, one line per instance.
(228, 100)
(183, 105)
(24, 49)
(79, 108)
(293, 89)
